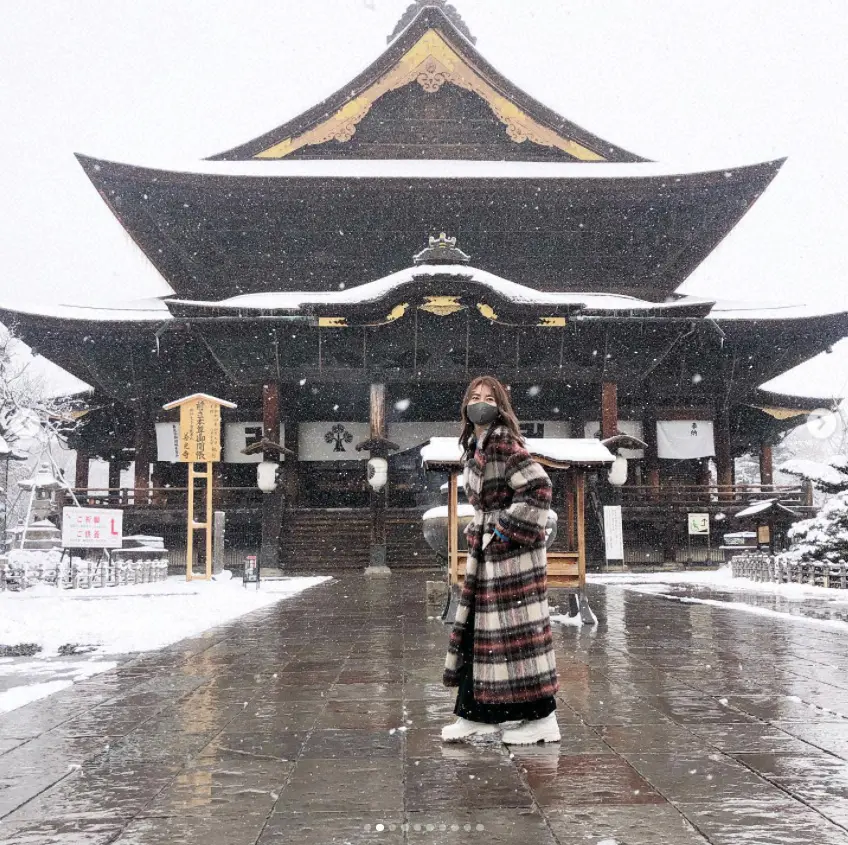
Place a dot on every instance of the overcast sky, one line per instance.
(691, 84)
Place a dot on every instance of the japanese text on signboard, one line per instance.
(92, 528)
(200, 431)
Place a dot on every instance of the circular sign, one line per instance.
(822, 423)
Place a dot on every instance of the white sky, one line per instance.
(718, 83)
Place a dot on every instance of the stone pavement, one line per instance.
(317, 721)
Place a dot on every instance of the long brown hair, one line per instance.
(506, 415)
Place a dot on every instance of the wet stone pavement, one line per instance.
(317, 721)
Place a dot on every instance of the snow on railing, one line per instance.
(785, 569)
(23, 569)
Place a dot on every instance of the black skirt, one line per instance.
(491, 714)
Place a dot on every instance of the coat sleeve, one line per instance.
(524, 521)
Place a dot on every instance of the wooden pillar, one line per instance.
(723, 457)
(609, 409)
(379, 498)
(580, 504)
(570, 496)
(114, 481)
(652, 461)
(143, 453)
(766, 466)
(81, 470)
(272, 503)
(291, 467)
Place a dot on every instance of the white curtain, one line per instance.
(685, 439)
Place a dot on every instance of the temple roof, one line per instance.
(433, 53)
(219, 229)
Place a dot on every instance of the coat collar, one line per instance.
(495, 428)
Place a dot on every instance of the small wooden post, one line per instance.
(570, 494)
(453, 527)
(190, 525)
(581, 526)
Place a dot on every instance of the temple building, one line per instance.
(343, 276)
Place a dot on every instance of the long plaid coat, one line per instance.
(506, 583)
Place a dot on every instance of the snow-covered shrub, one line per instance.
(825, 536)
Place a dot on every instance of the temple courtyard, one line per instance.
(316, 720)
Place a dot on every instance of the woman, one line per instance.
(501, 654)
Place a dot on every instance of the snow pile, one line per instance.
(64, 674)
(133, 618)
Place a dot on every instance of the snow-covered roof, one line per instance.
(121, 311)
(575, 450)
(763, 507)
(433, 169)
(195, 396)
(728, 309)
(441, 511)
(376, 290)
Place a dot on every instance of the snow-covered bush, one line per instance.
(825, 536)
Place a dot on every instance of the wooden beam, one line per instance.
(609, 409)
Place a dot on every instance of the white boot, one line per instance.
(464, 728)
(536, 730)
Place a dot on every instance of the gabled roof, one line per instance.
(431, 51)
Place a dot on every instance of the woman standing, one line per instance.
(501, 654)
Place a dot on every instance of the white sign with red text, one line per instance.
(92, 528)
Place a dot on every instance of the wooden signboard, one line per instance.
(200, 442)
(200, 430)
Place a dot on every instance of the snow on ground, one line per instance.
(140, 617)
(114, 621)
(791, 597)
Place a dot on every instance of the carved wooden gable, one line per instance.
(431, 95)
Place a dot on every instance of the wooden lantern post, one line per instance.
(200, 442)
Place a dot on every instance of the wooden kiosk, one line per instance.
(568, 460)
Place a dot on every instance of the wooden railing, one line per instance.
(163, 498)
(688, 496)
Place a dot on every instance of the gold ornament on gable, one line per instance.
(431, 62)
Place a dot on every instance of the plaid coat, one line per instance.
(506, 583)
